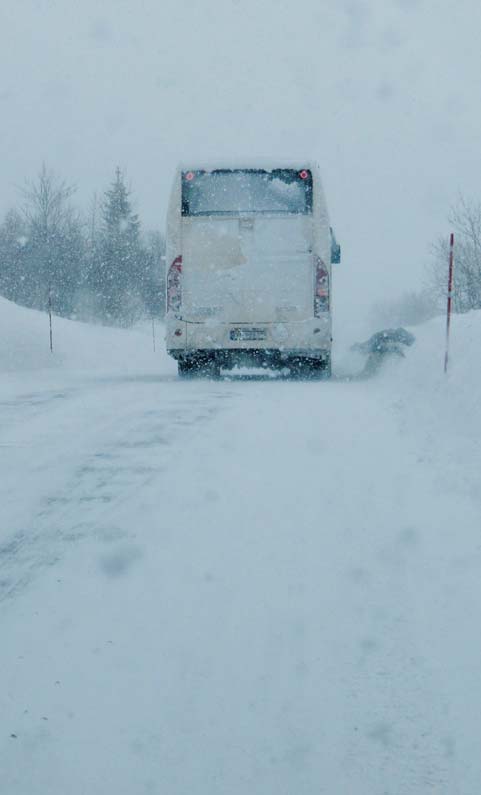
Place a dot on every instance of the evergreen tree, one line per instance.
(117, 275)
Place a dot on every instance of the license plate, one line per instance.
(247, 334)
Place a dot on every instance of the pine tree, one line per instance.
(118, 273)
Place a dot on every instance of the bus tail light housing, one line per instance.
(321, 292)
(174, 285)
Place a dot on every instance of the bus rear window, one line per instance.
(234, 192)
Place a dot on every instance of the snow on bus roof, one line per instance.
(260, 163)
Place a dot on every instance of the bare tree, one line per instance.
(54, 251)
(465, 220)
(13, 237)
(46, 201)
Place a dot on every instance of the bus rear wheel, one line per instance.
(198, 367)
(310, 369)
(320, 368)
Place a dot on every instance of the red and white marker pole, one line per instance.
(450, 297)
(50, 317)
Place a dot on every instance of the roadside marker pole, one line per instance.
(450, 296)
(50, 317)
(153, 332)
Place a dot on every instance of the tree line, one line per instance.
(101, 265)
(98, 266)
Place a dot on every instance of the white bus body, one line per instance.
(249, 268)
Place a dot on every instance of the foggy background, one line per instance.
(384, 94)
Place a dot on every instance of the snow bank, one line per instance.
(445, 409)
(449, 402)
(427, 357)
(24, 344)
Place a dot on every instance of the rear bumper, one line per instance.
(251, 357)
(306, 337)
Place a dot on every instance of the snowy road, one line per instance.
(235, 587)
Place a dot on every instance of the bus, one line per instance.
(248, 260)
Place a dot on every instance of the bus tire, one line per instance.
(186, 368)
(198, 367)
(321, 368)
(314, 369)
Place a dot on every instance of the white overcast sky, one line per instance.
(385, 94)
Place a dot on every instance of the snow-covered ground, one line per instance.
(243, 586)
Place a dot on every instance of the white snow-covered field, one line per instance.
(242, 587)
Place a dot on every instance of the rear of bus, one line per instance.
(248, 279)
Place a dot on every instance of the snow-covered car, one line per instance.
(249, 253)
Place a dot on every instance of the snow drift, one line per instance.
(25, 345)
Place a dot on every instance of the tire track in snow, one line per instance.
(110, 475)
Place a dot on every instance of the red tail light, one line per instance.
(321, 294)
(174, 285)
